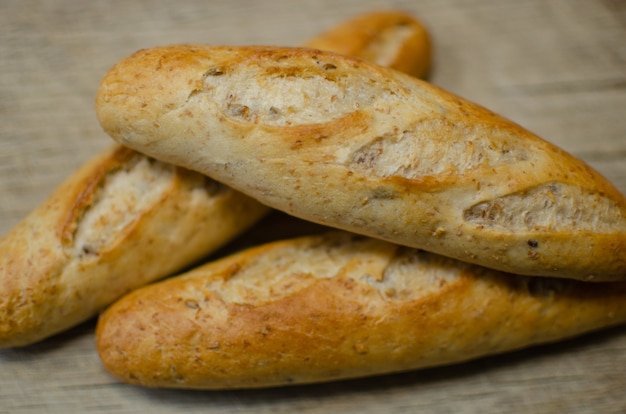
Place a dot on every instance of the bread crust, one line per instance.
(349, 144)
(336, 306)
(86, 246)
(388, 38)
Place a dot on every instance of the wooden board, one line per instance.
(556, 67)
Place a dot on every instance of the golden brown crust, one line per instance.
(388, 38)
(342, 142)
(336, 306)
(108, 229)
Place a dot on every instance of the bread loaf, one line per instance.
(336, 306)
(346, 143)
(392, 39)
(120, 221)
(125, 219)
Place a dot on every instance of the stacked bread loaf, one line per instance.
(457, 233)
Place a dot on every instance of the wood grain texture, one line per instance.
(558, 68)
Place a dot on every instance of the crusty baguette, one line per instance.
(120, 221)
(347, 143)
(124, 220)
(336, 306)
(392, 39)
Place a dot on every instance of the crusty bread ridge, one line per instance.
(336, 306)
(124, 219)
(388, 38)
(346, 143)
(110, 227)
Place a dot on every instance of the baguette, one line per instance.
(349, 144)
(124, 220)
(392, 39)
(336, 306)
(110, 227)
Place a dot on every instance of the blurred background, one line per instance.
(556, 67)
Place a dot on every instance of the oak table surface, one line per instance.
(557, 67)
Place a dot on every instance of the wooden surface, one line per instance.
(558, 67)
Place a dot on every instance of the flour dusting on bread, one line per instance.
(393, 154)
(125, 195)
(412, 274)
(281, 272)
(549, 207)
(281, 91)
